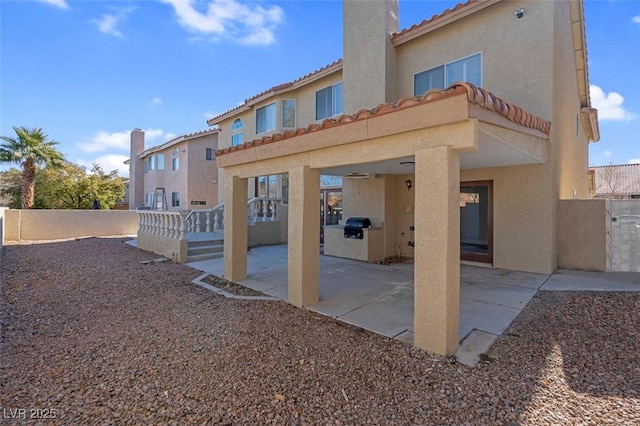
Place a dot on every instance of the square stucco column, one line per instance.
(235, 228)
(437, 250)
(304, 236)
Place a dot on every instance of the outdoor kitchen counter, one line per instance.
(370, 248)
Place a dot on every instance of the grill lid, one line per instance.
(358, 222)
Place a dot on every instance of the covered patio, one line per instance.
(379, 297)
(440, 133)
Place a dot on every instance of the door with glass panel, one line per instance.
(476, 221)
(330, 209)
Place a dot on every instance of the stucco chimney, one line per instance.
(136, 170)
(369, 62)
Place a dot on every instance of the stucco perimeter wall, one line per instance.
(171, 248)
(33, 225)
(582, 235)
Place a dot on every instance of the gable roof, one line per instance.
(176, 141)
(281, 88)
(474, 95)
(620, 179)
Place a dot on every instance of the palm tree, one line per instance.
(30, 149)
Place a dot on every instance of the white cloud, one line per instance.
(105, 141)
(608, 154)
(109, 163)
(59, 3)
(108, 22)
(240, 22)
(609, 105)
(634, 161)
(156, 101)
(636, 19)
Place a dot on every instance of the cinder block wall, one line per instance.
(33, 225)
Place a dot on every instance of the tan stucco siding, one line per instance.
(569, 139)
(524, 211)
(582, 235)
(305, 98)
(202, 172)
(515, 62)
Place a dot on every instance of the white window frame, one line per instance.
(270, 122)
(335, 108)
(237, 136)
(282, 110)
(447, 77)
(213, 154)
(175, 163)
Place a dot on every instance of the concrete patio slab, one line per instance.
(379, 298)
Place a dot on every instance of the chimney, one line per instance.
(136, 170)
(369, 62)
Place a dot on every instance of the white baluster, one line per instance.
(208, 214)
(216, 220)
(182, 230)
(274, 210)
(198, 222)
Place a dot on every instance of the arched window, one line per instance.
(236, 132)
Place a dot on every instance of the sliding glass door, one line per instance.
(476, 221)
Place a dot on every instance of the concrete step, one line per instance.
(202, 250)
(205, 256)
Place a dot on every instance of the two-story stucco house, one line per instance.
(180, 174)
(456, 137)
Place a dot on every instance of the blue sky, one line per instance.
(88, 72)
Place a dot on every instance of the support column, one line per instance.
(304, 236)
(235, 228)
(437, 250)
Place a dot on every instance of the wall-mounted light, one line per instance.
(518, 13)
(409, 184)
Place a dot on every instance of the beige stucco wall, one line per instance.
(523, 216)
(582, 235)
(171, 248)
(194, 178)
(516, 63)
(369, 249)
(33, 225)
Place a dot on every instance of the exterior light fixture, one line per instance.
(408, 163)
(518, 13)
(409, 184)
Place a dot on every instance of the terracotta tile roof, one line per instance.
(176, 140)
(432, 19)
(279, 88)
(474, 95)
(616, 180)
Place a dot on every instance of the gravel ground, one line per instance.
(95, 337)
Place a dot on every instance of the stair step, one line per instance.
(205, 243)
(218, 248)
(205, 256)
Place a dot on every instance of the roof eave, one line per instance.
(439, 21)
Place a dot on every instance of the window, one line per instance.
(210, 154)
(237, 137)
(175, 199)
(175, 163)
(266, 118)
(329, 101)
(154, 162)
(467, 69)
(288, 113)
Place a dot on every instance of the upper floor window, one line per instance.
(237, 137)
(154, 162)
(329, 101)
(175, 163)
(468, 69)
(210, 154)
(266, 118)
(288, 113)
(175, 199)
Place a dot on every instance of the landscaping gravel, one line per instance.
(89, 335)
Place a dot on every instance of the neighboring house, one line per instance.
(621, 181)
(457, 137)
(180, 174)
